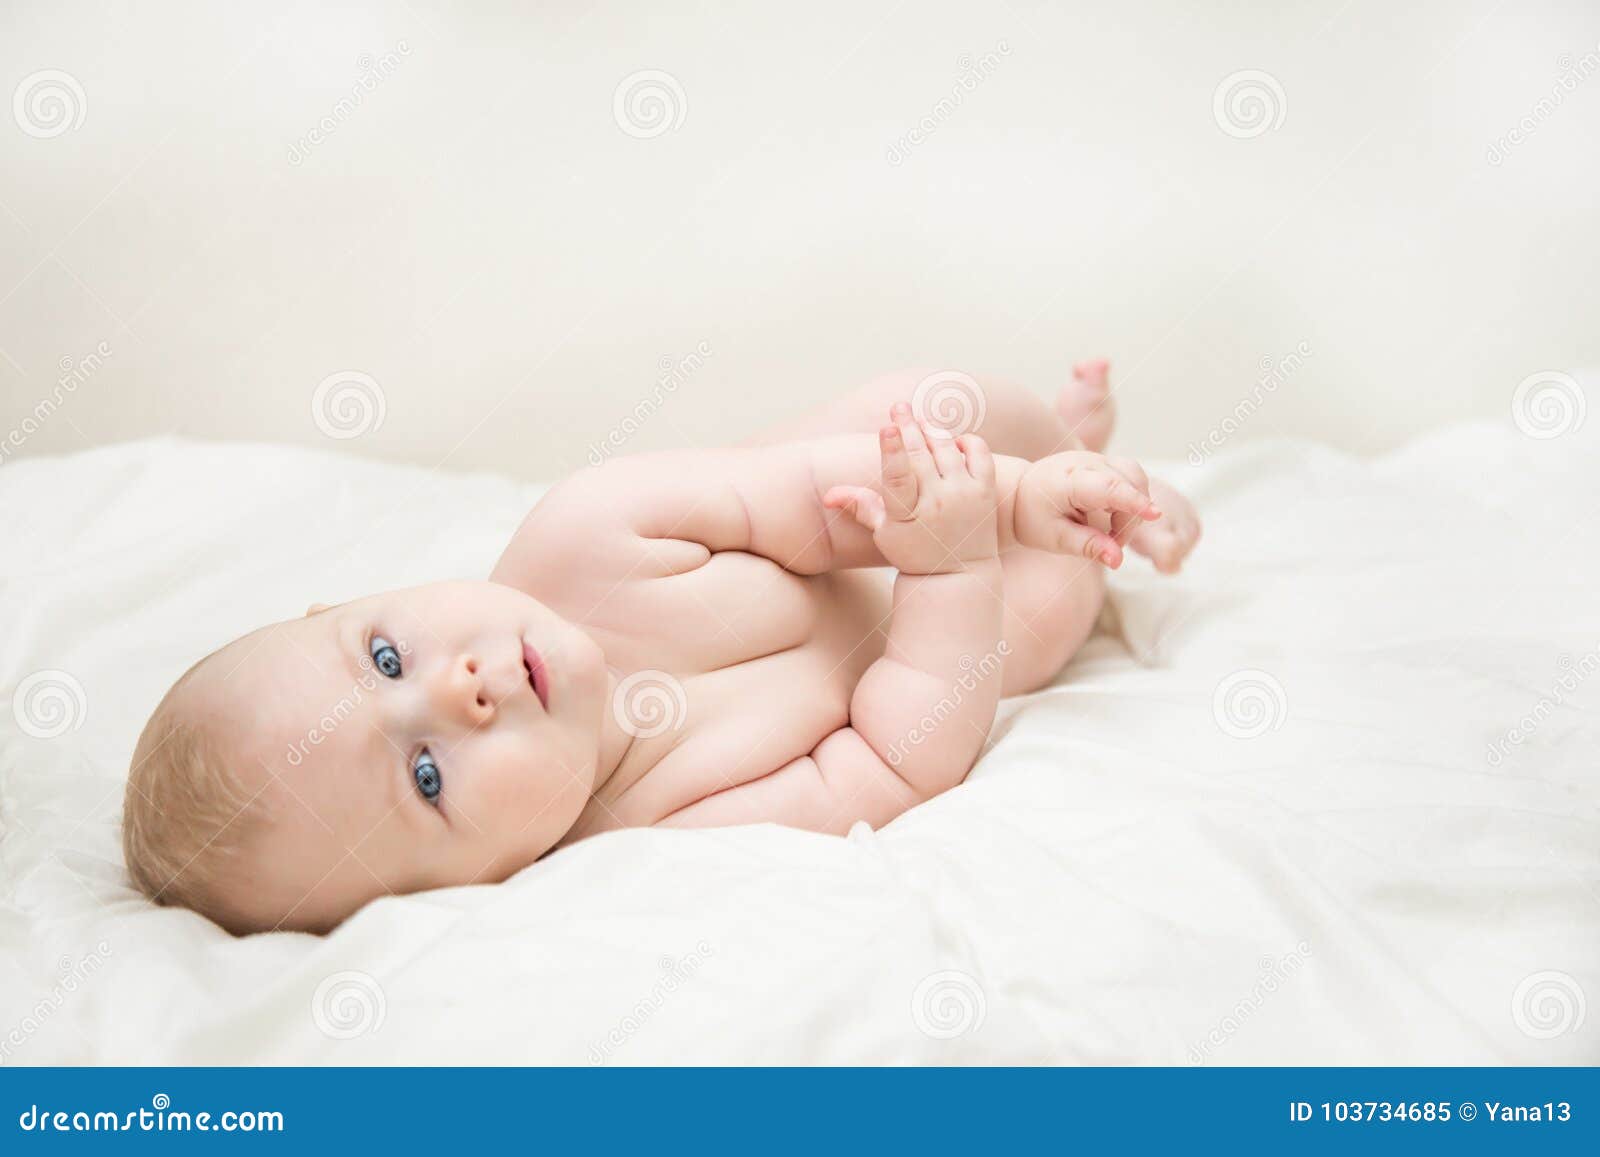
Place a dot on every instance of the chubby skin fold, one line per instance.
(684, 639)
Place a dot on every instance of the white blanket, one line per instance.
(1326, 797)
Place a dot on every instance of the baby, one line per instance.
(681, 639)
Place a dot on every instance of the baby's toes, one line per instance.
(1086, 405)
(1166, 545)
(1092, 374)
(1166, 550)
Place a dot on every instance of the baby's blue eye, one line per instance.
(426, 773)
(384, 656)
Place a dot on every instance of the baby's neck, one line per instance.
(615, 743)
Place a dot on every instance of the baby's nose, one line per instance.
(459, 692)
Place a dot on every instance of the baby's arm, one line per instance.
(933, 517)
(769, 501)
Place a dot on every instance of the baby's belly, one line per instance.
(749, 718)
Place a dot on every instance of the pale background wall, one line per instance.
(482, 238)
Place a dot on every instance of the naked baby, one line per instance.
(683, 639)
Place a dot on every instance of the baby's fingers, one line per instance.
(947, 457)
(917, 452)
(1132, 471)
(980, 462)
(863, 503)
(1103, 490)
(899, 479)
(1086, 542)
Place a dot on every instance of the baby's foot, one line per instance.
(1168, 542)
(1086, 406)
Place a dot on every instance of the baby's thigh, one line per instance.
(858, 411)
(1052, 602)
(1010, 417)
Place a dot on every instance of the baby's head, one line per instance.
(440, 735)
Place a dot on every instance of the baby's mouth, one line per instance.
(538, 677)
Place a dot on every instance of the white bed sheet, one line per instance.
(1120, 880)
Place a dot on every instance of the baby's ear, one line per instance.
(317, 609)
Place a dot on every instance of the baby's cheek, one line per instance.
(523, 791)
(501, 782)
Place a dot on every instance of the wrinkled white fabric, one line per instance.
(1258, 820)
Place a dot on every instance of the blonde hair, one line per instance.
(186, 816)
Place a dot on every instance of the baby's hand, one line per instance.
(934, 510)
(1067, 503)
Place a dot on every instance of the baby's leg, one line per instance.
(1051, 600)
(1086, 406)
(1012, 419)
